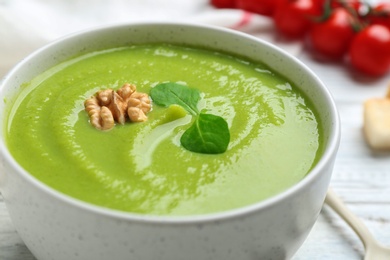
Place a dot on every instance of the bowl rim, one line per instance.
(329, 152)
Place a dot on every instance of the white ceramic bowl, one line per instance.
(55, 226)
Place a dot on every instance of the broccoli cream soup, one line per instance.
(143, 167)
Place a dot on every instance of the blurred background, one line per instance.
(28, 24)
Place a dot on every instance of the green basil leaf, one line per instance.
(208, 134)
(166, 94)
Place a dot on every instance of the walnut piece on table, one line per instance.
(108, 106)
(376, 119)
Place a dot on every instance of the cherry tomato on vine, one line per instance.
(223, 3)
(332, 37)
(380, 14)
(293, 18)
(370, 50)
(354, 4)
(264, 7)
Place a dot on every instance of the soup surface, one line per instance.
(275, 136)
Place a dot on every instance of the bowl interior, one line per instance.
(202, 36)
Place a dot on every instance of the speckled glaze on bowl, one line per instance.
(55, 226)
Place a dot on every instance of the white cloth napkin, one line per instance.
(26, 25)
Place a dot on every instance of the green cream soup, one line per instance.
(275, 136)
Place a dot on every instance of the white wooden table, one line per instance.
(361, 177)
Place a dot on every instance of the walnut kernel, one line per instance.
(108, 106)
(100, 116)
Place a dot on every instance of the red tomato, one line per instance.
(333, 36)
(380, 14)
(370, 50)
(293, 18)
(223, 3)
(264, 7)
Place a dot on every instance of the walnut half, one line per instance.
(108, 106)
(138, 106)
(100, 116)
